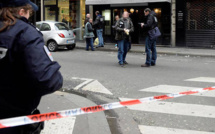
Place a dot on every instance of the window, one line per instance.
(38, 26)
(45, 27)
(61, 26)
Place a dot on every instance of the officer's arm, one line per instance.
(149, 22)
(42, 73)
(96, 21)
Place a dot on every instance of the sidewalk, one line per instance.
(182, 51)
(84, 124)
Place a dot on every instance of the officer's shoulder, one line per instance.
(25, 26)
(27, 29)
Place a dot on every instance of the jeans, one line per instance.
(122, 51)
(99, 33)
(89, 43)
(151, 46)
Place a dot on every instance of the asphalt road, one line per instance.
(126, 83)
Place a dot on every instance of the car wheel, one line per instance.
(52, 46)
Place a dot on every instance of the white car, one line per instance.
(56, 34)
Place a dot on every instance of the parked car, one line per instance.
(57, 34)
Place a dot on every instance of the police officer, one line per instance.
(27, 71)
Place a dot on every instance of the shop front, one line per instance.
(195, 23)
(136, 10)
(71, 12)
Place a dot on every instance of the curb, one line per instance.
(158, 52)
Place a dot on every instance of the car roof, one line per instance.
(49, 21)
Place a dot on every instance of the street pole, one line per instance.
(42, 10)
(173, 23)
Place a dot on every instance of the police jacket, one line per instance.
(151, 22)
(26, 71)
(99, 22)
(120, 26)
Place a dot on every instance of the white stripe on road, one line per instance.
(203, 79)
(82, 84)
(96, 86)
(162, 130)
(175, 108)
(175, 89)
(59, 126)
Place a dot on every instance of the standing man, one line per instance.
(87, 18)
(27, 69)
(150, 43)
(123, 29)
(89, 35)
(99, 22)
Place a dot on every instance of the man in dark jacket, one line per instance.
(98, 24)
(123, 29)
(27, 69)
(150, 45)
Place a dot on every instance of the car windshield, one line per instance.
(61, 26)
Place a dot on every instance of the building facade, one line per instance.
(195, 23)
(110, 8)
(71, 12)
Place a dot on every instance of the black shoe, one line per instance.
(122, 65)
(101, 46)
(145, 65)
(153, 64)
(125, 62)
(87, 50)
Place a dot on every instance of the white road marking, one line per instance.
(96, 86)
(175, 108)
(175, 89)
(59, 126)
(82, 84)
(162, 130)
(203, 79)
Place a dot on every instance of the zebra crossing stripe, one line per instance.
(174, 108)
(173, 89)
(203, 79)
(30, 119)
(162, 130)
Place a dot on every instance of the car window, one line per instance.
(45, 27)
(61, 26)
(38, 26)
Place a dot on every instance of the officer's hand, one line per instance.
(142, 24)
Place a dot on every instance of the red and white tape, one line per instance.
(30, 119)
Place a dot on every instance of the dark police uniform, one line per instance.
(27, 72)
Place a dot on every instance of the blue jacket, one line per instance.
(26, 71)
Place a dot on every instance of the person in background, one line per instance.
(64, 20)
(27, 69)
(114, 28)
(150, 44)
(123, 29)
(98, 24)
(87, 18)
(89, 35)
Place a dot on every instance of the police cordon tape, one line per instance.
(30, 119)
